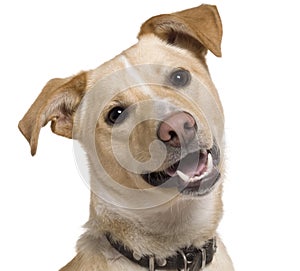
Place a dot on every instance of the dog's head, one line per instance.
(150, 120)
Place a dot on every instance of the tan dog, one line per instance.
(151, 124)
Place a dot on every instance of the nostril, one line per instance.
(166, 132)
(177, 129)
(172, 135)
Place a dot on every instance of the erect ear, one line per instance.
(57, 103)
(197, 29)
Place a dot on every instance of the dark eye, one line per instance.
(116, 115)
(180, 78)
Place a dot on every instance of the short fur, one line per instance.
(166, 41)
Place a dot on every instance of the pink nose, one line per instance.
(178, 129)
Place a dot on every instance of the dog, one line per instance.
(151, 125)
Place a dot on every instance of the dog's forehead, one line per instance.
(147, 63)
(155, 56)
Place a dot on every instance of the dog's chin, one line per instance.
(196, 174)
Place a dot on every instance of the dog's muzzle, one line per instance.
(196, 172)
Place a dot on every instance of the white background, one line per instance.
(44, 202)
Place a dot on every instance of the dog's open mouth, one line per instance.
(195, 174)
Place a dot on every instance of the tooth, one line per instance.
(183, 176)
(210, 164)
(196, 178)
(203, 175)
(186, 178)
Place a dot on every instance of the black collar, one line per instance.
(190, 258)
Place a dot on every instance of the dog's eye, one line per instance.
(116, 115)
(180, 78)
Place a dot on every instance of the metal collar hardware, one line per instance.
(186, 259)
(151, 263)
(185, 263)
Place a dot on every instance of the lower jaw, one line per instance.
(195, 189)
(201, 191)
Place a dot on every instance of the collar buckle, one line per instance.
(185, 262)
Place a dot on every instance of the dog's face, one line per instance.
(159, 124)
(150, 120)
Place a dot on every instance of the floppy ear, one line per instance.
(57, 103)
(196, 29)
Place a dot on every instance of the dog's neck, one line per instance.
(160, 230)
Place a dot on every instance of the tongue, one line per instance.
(192, 165)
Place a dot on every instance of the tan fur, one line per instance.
(170, 220)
